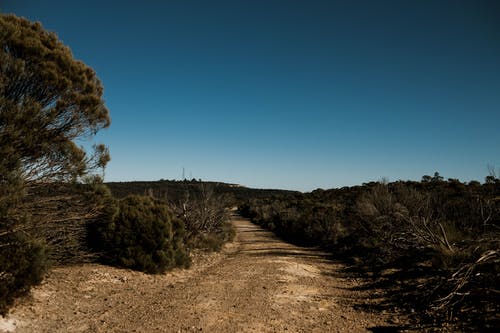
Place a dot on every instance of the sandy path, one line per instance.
(257, 284)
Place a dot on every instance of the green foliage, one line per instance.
(143, 235)
(48, 100)
(23, 262)
(303, 222)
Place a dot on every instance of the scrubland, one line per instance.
(432, 245)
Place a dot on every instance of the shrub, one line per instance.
(60, 215)
(206, 218)
(143, 235)
(23, 262)
(433, 245)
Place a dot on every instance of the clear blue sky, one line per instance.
(290, 94)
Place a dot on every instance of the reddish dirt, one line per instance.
(258, 283)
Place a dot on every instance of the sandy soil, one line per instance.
(257, 283)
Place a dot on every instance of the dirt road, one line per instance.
(257, 284)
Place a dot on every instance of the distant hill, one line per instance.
(174, 190)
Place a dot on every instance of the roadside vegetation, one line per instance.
(54, 207)
(433, 245)
(206, 216)
(143, 235)
(48, 101)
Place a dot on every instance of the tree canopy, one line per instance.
(47, 101)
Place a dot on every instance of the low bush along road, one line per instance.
(257, 283)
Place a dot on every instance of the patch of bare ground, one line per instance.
(258, 283)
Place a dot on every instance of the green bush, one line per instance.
(143, 235)
(23, 262)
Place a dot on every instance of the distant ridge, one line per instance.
(173, 190)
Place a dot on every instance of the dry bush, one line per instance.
(440, 239)
(206, 217)
(59, 215)
(403, 219)
(459, 234)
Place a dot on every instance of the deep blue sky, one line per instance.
(290, 94)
